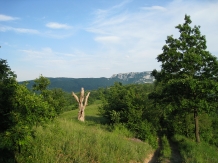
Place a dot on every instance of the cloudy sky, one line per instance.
(95, 38)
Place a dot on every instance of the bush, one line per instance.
(28, 110)
(129, 106)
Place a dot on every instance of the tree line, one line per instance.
(183, 99)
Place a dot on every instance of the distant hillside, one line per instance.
(75, 84)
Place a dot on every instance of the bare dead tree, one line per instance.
(82, 106)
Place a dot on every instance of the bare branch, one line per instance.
(75, 96)
(87, 96)
(82, 95)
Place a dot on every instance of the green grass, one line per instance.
(165, 153)
(68, 140)
(92, 115)
(193, 152)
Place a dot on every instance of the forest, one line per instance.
(174, 119)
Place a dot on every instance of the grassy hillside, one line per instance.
(67, 140)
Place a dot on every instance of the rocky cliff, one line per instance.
(134, 77)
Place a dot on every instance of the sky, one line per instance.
(95, 38)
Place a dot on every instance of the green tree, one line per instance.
(41, 83)
(188, 75)
(27, 110)
(56, 97)
(20, 110)
(7, 89)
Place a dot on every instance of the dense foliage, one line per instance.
(7, 90)
(21, 109)
(55, 97)
(187, 87)
(128, 105)
(184, 99)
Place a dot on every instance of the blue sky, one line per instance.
(95, 38)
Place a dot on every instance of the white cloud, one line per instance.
(144, 30)
(108, 39)
(58, 35)
(55, 25)
(154, 8)
(51, 34)
(141, 34)
(55, 64)
(104, 13)
(7, 18)
(34, 55)
(18, 30)
(25, 30)
(46, 57)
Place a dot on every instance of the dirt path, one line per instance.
(175, 157)
(149, 158)
(152, 158)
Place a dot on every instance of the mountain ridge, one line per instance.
(75, 84)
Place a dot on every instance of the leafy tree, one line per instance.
(7, 89)
(20, 110)
(41, 83)
(188, 75)
(28, 110)
(56, 97)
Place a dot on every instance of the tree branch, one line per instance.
(75, 96)
(87, 96)
(82, 95)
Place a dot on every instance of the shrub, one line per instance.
(128, 105)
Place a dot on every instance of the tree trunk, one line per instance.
(197, 136)
(81, 113)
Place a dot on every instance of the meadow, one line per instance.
(67, 140)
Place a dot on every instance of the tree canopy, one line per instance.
(187, 80)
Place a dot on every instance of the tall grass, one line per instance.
(193, 152)
(67, 140)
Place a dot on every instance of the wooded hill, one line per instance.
(75, 84)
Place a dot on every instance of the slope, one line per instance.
(67, 140)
